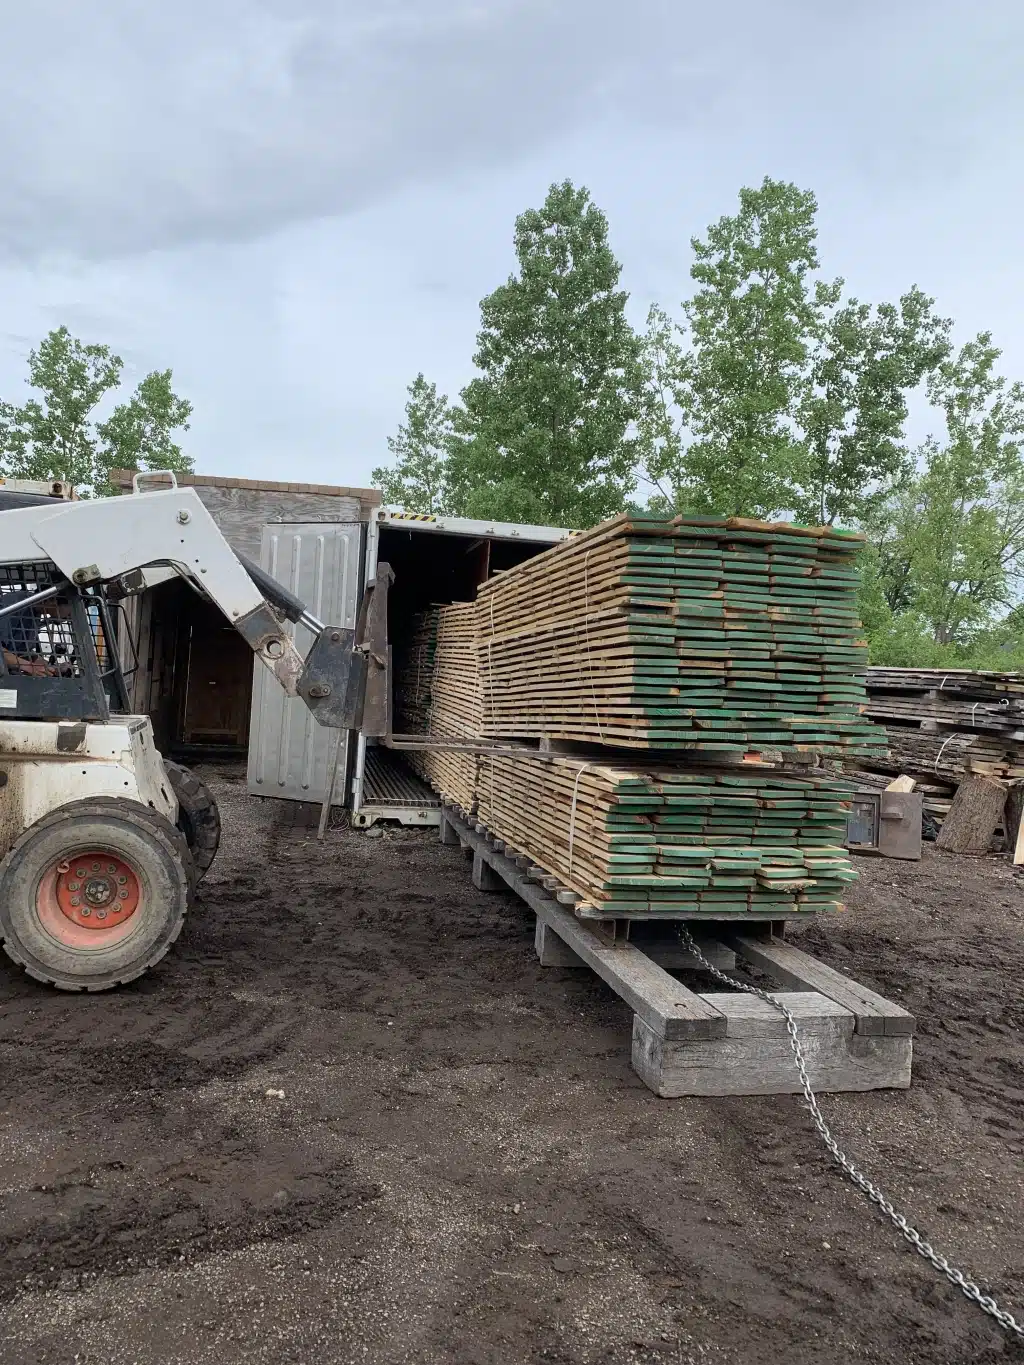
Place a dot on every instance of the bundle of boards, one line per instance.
(414, 673)
(706, 641)
(693, 634)
(944, 723)
(975, 684)
(642, 842)
(438, 693)
(949, 754)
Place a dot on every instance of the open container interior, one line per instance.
(431, 568)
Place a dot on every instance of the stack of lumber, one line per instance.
(703, 634)
(726, 645)
(448, 698)
(976, 683)
(414, 671)
(644, 842)
(949, 754)
(945, 723)
(962, 699)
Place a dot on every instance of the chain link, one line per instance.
(956, 1277)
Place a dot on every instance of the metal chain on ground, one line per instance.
(956, 1277)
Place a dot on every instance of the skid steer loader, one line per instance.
(102, 841)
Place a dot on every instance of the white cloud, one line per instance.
(297, 204)
(131, 126)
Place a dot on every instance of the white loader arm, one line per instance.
(102, 540)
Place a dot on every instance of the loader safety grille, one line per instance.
(47, 638)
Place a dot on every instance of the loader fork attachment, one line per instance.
(346, 682)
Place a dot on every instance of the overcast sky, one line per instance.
(297, 204)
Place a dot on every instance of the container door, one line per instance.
(359, 762)
(289, 753)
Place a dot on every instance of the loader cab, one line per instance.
(59, 657)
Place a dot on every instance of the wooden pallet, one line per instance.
(722, 1042)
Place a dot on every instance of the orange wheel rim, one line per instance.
(86, 899)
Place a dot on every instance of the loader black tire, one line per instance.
(53, 919)
(198, 815)
(134, 810)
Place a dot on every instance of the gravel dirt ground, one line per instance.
(463, 1167)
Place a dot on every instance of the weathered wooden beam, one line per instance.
(663, 946)
(873, 1014)
(756, 1058)
(553, 951)
(664, 949)
(484, 876)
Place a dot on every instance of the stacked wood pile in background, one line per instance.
(945, 723)
(977, 684)
(942, 725)
(640, 842)
(948, 754)
(695, 634)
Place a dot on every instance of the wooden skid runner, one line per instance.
(723, 1042)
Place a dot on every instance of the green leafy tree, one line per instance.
(419, 480)
(776, 396)
(965, 549)
(51, 437)
(660, 423)
(139, 434)
(888, 567)
(547, 431)
(739, 380)
(54, 435)
(862, 364)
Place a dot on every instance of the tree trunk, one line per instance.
(976, 810)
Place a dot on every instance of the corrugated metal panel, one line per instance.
(289, 754)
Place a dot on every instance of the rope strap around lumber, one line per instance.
(586, 767)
